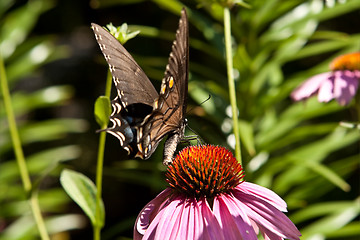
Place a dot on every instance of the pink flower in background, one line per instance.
(340, 84)
(208, 199)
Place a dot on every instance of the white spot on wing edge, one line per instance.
(121, 135)
(117, 136)
(118, 122)
(118, 107)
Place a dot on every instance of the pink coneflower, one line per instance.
(341, 83)
(208, 199)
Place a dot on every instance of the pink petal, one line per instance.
(186, 222)
(263, 193)
(167, 220)
(357, 74)
(199, 223)
(189, 220)
(255, 226)
(267, 216)
(345, 86)
(326, 90)
(147, 213)
(194, 221)
(233, 220)
(209, 227)
(269, 235)
(309, 87)
(212, 228)
(182, 218)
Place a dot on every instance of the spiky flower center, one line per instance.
(349, 61)
(204, 171)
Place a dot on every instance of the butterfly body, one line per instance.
(141, 117)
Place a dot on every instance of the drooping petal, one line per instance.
(326, 90)
(198, 222)
(186, 221)
(345, 86)
(183, 218)
(189, 219)
(212, 228)
(309, 87)
(255, 226)
(168, 220)
(148, 212)
(268, 235)
(233, 220)
(262, 193)
(267, 216)
(357, 74)
(201, 223)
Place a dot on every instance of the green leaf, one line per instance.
(83, 191)
(102, 111)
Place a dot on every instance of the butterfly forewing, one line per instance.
(132, 84)
(168, 115)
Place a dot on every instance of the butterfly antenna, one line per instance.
(199, 140)
(209, 97)
(101, 130)
(200, 104)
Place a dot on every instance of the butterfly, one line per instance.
(141, 117)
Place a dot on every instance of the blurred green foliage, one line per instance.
(296, 149)
(24, 55)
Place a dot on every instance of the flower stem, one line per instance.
(20, 159)
(99, 167)
(232, 93)
(34, 203)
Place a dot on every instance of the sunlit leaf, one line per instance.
(102, 110)
(83, 191)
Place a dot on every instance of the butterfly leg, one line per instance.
(199, 140)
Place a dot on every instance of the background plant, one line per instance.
(296, 149)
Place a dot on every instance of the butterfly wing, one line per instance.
(168, 117)
(135, 92)
(132, 84)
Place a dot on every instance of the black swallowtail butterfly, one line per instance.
(141, 117)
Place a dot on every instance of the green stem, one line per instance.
(34, 202)
(99, 167)
(20, 159)
(229, 64)
(108, 85)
